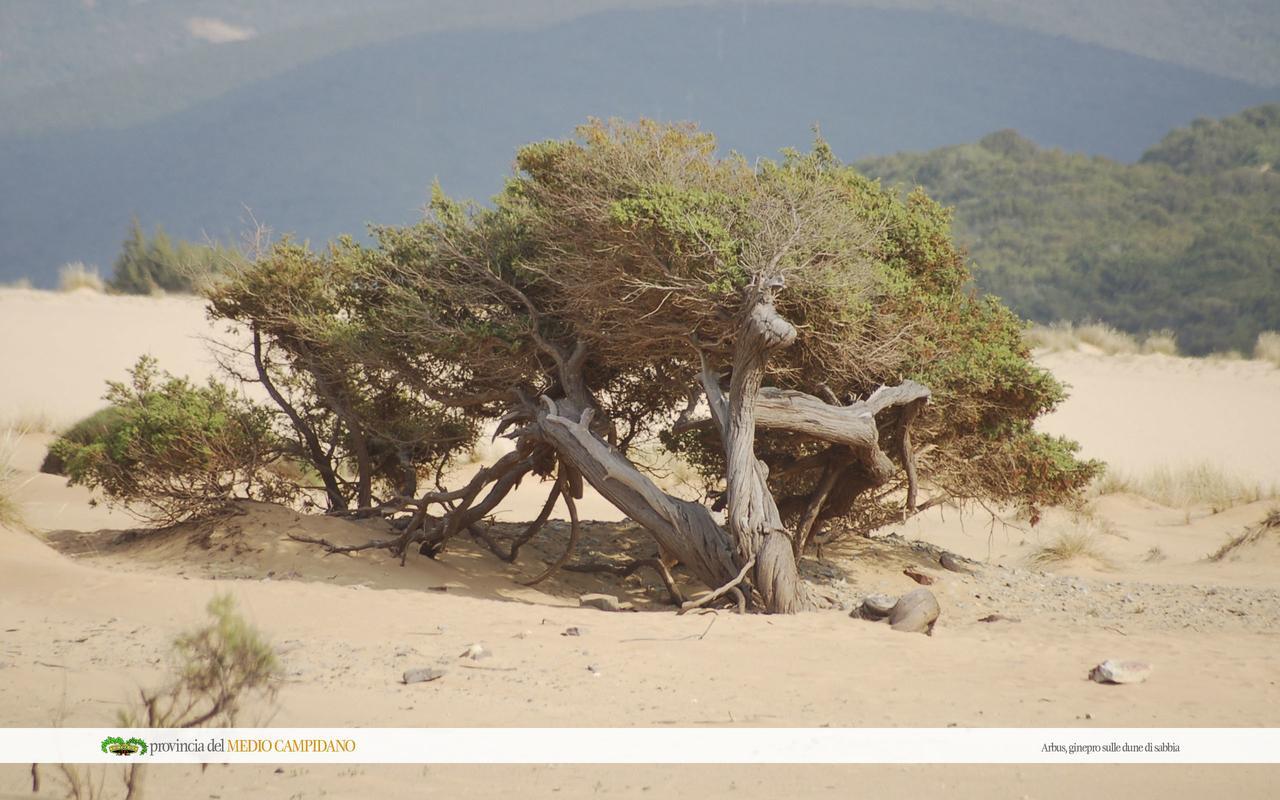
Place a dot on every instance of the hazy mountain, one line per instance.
(118, 62)
(358, 136)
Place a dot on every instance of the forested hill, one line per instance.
(1186, 239)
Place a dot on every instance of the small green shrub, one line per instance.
(174, 450)
(219, 666)
(156, 264)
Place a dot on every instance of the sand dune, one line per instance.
(58, 349)
(88, 615)
(1139, 412)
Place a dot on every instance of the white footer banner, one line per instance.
(643, 745)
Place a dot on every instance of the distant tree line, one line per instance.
(1188, 239)
(158, 264)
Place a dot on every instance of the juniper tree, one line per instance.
(805, 337)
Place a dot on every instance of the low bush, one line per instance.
(1268, 347)
(169, 450)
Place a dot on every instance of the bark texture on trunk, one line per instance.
(685, 530)
(751, 514)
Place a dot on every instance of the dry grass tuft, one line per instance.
(1062, 336)
(1201, 484)
(10, 513)
(1054, 338)
(1077, 545)
(29, 421)
(1066, 336)
(1162, 342)
(1268, 347)
(1107, 339)
(1228, 355)
(76, 275)
(1270, 522)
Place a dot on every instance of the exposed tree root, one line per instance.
(568, 549)
(723, 590)
(331, 548)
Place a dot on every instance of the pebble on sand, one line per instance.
(1120, 672)
(604, 602)
(422, 674)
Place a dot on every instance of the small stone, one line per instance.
(952, 563)
(918, 576)
(573, 631)
(1120, 672)
(422, 675)
(593, 669)
(915, 612)
(604, 602)
(475, 652)
(875, 606)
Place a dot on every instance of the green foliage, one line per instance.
(968, 350)
(147, 266)
(1184, 241)
(616, 252)
(1208, 147)
(99, 425)
(310, 314)
(633, 241)
(170, 450)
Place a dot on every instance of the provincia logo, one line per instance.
(162, 745)
(118, 746)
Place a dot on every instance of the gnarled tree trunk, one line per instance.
(754, 546)
(752, 514)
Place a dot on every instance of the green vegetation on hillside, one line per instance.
(1186, 240)
(1248, 139)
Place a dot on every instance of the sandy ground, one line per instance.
(87, 615)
